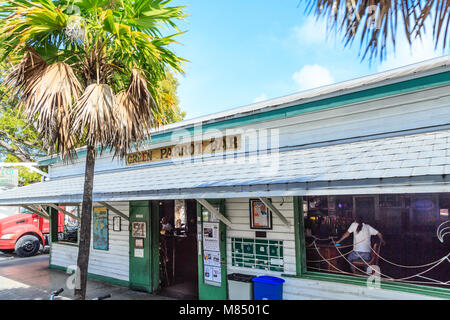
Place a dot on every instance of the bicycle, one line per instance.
(58, 292)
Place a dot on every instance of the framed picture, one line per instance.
(260, 215)
(139, 243)
(138, 230)
(117, 223)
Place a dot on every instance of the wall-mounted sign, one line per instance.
(9, 177)
(138, 229)
(117, 224)
(100, 229)
(183, 150)
(139, 253)
(139, 243)
(260, 215)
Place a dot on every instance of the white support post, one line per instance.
(275, 210)
(211, 209)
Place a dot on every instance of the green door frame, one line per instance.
(207, 291)
(154, 234)
(140, 269)
(300, 247)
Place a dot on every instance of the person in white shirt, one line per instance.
(362, 234)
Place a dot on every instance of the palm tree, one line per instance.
(375, 22)
(87, 73)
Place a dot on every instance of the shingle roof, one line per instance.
(424, 154)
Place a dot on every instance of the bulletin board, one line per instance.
(211, 253)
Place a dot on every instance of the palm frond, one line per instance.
(134, 114)
(47, 93)
(374, 23)
(93, 116)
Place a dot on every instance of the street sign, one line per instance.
(9, 177)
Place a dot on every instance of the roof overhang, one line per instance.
(422, 184)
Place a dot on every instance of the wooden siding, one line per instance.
(237, 210)
(113, 263)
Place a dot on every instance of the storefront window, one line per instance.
(407, 236)
(70, 230)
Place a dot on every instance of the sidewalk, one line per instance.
(31, 279)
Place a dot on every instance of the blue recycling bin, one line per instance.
(267, 288)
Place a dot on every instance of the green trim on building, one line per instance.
(140, 267)
(154, 242)
(402, 87)
(207, 291)
(300, 252)
(118, 282)
(53, 214)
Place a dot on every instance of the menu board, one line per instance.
(211, 253)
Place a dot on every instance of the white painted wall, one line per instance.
(237, 210)
(113, 263)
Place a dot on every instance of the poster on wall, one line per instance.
(211, 258)
(216, 274)
(260, 215)
(211, 236)
(100, 229)
(211, 253)
(208, 273)
(139, 253)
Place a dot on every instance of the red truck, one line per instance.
(26, 233)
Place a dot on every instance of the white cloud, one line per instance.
(312, 76)
(260, 98)
(311, 32)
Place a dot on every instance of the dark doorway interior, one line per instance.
(178, 249)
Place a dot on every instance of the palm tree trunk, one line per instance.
(85, 228)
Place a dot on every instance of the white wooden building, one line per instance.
(384, 136)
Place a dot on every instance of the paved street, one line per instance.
(31, 279)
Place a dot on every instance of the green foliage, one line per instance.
(18, 140)
(129, 32)
(103, 42)
(169, 101)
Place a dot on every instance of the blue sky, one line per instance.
(243, 51)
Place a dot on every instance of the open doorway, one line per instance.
(178, 249)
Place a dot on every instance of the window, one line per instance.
(413, 227)
(67, 225)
